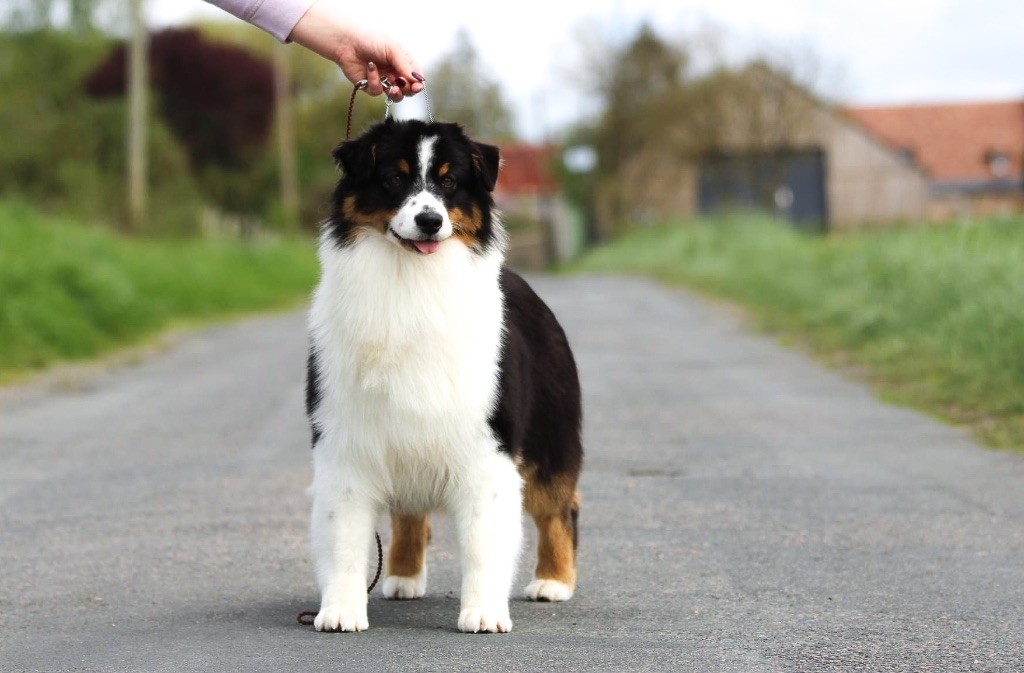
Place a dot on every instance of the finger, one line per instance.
(414, 80)
(419, 84)
(373, 86)
(404, 70)
(396, 94)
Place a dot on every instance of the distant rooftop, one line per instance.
(956, 142)
(526, 171)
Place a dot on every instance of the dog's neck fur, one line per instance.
(408, 327)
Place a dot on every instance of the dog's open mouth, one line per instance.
(427, 247)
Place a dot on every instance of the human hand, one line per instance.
(360, 53)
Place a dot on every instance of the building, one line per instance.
(542, 227)
(830, 173)
(972, 153)
(770, 144)
(767, 143)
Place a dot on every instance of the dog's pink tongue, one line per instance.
(427, 247)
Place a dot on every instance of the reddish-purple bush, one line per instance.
(216, 98)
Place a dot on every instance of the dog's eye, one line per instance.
(447, 183)
(394, 181)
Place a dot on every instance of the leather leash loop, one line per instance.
(306, 617)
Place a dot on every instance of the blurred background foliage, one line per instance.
(210, 125)
(461, 89)
(213, 158)
(211, 118)
(70, 151)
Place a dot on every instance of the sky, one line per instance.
(869, 52)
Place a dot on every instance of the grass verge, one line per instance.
(932, 316)
(70, 292)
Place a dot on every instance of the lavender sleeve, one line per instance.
(277, 17)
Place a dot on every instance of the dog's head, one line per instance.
(417, 184)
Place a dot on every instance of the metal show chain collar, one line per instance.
(386, 83)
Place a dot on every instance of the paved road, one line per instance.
(743, 511)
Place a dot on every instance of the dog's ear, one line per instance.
(486, 161)
(356, 158)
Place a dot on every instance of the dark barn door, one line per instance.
(790, 184)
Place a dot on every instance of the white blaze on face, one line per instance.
(421, 200)
(425, 153)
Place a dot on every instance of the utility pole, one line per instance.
(138, 68)
(286, 152)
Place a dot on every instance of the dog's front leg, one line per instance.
(341, 528)
(487, 513)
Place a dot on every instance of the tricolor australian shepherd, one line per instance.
(437, 380)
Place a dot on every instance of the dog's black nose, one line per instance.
(429, 222)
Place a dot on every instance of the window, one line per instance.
(999, 164)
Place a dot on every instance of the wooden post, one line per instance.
(138, 67)
(286, 152)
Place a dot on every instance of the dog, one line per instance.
(437, 380)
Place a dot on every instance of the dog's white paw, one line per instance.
(485, 620)
(341, 618)
(548, 590)
(404, 588)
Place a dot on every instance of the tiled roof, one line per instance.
(956, 142)
(526, 171)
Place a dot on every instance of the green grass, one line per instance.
(932, 316)
(69, 292)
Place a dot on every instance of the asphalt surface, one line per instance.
(744, 510)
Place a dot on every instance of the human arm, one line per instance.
(323, 28)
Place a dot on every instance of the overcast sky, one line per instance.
(870, 51)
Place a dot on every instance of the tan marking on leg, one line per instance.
(410, 534)
(556, 558)
(552, 505)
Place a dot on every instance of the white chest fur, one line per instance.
(408, 354)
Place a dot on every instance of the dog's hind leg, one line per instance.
(407, 564)
(554, 505)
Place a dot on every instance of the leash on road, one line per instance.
(306, 617)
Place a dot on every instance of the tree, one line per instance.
(81, 14)
(39, 14)
(634, 83)
(287, 152)
(218, 100)
(24, 15)
(460, 90)
(644, 74)
(138, 75)
(311, 96)
(659, 122)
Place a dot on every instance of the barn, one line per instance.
(823, 166)
(972, 153)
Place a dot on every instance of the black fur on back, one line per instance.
(539, 412)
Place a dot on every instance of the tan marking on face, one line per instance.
(403, 166)
(466, 225)
(443, 171)
(552, 505)
(410, 534)
(376, 219)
